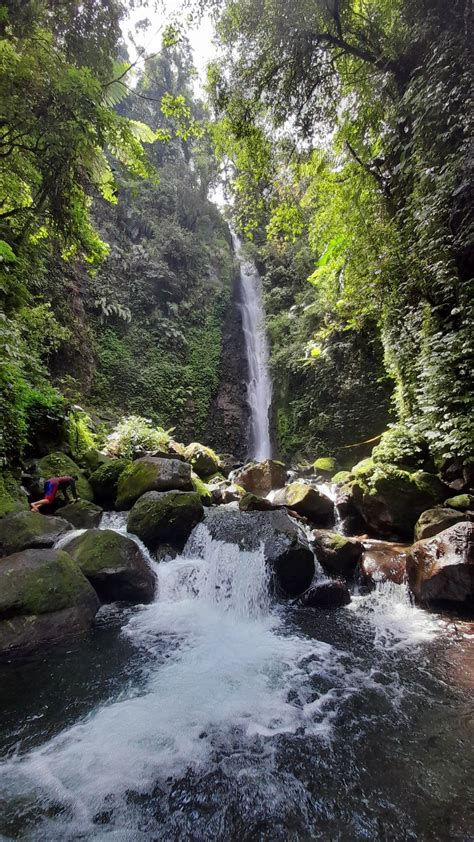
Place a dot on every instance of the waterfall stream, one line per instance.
(259, 385)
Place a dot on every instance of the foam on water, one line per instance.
(394, 620)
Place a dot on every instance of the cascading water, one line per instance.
(259, 385)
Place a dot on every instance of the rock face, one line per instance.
(382, 561)
(81, 514)
(326, 595)
(104, 481)
(165, 517)
(251, 503)
(441, 569)
(22, 530)
(285, 547)
(261, 477)
(44, 597)
(391, 500)
(436, 520)
(306, 501)
(336, 553)
(203, 460)
(114, 565)
(151, 473)
(58, 464)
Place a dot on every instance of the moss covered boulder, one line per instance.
(391, 500)
(82, 514)
(202, 489)
(261, 477)
(114, 565)
(436, 520)
(165, 517)
(44, 598)
(59, 464)
(202, 459)
(104, 481)
(441, 569)
(13, 497)
(336, 553)
(341, 477)
(325, 465)
(151, 473)
(22, 530)
(306, 501)
(461, 502)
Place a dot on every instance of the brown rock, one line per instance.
(337, 554)
(261, 477)
(326, 595)
(383, 560)
(441, 569)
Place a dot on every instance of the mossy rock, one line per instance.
(165, 517)
(433, 521)
(151, 473)
(114, 565)
(305, 500)
(201, 488)
(391, 499)
(38, 581)
(44, 598)
(252, 503)
(59, 464)
(363, 468)
(82, 514)
(12, 497)
(324, 465)
(337, 554)
(341, 477)
(202, 459)
(104, 481)
(22, 530)
(461, 502)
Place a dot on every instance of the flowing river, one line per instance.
(217, 713)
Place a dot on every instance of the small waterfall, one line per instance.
(259, 385)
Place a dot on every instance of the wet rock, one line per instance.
(151, 474)
(114, 565)
(336, 553)
(332, 594)
(306, 501)
(203, 460)
(44, 598)
(436, 520)
(391, 499)
(382, 561)
(284, 544)
(81, 514)
(57, 465)
(251, 503)
(441, 569)
(24, 530)
(165, 517)
(104, 481)
(261, 477)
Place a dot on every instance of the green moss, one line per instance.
(341, 477)
(96, 549)
(53, 581)
(203, 460)
(326, 464)
(337, 542)
(200, 486)
(462, 502)
(59, 464)
(403, 447)
(12, 498)
(135, 480)
(363, 468)
(165, 516)
(105, 479)
(22, 529)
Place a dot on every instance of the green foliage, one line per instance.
(81, 436)
(135, 434)
(403, 447)
(12, 499)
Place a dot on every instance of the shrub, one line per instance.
(134, 434)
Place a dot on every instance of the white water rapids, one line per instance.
(222, 673)
(259, 384)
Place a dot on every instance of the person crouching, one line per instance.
(51, 488)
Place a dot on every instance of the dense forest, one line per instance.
(343, 136)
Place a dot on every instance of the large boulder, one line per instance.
(22, 530)
(391, 499)
(114, 565)
(202, 459)
(285, 548)
(59, 465)
(44, 598)
(441, 569)
(436, 520)
(81, 514)
(165, 517)
(104, 481)
(261, 477)
(336, 553)
(330, 594)
(382, 561)
(306, 501)
(13, 497)
(151, 473)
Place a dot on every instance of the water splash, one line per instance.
(259, 385)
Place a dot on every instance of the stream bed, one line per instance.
(216, 713)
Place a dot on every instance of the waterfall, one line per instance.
(259, 385)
